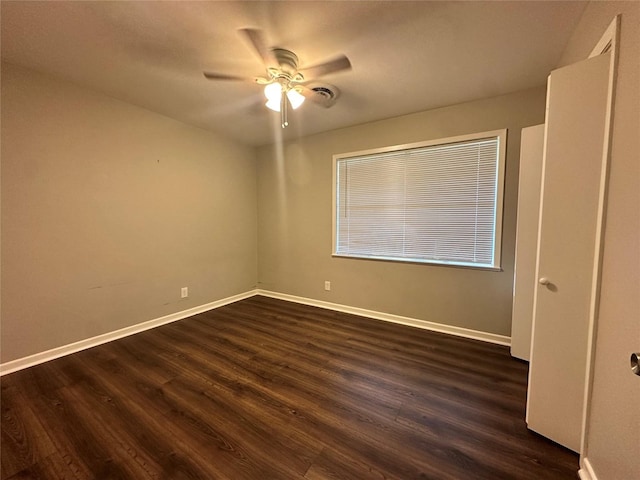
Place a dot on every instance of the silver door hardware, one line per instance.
(544, 281)
(635, 363)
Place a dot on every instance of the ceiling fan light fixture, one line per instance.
(273, 105)
(273, 92)
(295, 98)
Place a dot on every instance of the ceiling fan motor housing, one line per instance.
(287, 60)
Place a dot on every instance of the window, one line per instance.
(433, 202)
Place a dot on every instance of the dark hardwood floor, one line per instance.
(265, 389)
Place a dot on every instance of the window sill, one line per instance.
(436, 263)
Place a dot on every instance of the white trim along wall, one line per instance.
(586, 471)
(42, 357)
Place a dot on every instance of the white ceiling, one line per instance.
(406, 56)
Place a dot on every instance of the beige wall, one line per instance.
(614, 422)
(294, 221)
(108, 210)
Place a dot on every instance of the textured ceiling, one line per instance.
(406, 56)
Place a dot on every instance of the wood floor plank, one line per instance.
(332, 465)
(136, 415)
(264, 389)
(25, 438)
(232, 385)
(75, 438)
(476, 434)
(53, 466)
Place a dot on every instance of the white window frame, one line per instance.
(501, 135)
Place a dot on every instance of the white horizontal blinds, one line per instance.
(435, 203)
(371, 205)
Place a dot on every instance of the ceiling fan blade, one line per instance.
(256, 38)
(336, 65)
(224, 76)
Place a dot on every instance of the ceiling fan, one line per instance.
(285, 84)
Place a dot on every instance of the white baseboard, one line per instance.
(31, 360)
(586, 470)
(387, 317)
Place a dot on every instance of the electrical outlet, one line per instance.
(327, 285)
(184, 292)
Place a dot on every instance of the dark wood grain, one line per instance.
(265, 389)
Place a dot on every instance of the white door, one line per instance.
(567, 252)
(531, 152)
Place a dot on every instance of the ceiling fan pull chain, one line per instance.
(283, 110)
